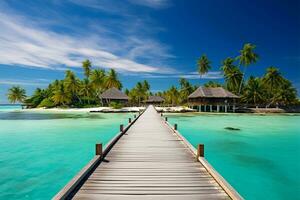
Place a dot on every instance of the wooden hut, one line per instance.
(155, 100)
(213, 99)
(115, 95)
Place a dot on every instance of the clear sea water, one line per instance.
(40, 152)
(261, 161)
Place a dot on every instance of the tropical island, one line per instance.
(103, 88)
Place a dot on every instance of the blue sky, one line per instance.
(157, 40)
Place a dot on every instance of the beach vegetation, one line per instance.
(115, 105)
(16, 94)
(203, 65)
(271, 89)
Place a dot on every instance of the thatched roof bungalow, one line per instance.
(212, 97)
(113, 94)
(154, 100)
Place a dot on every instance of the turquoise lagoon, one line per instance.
(41, 151)
(261, 161)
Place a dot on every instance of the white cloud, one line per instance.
(152, 3)
(189, 75)
(36, 82)
(25, 43)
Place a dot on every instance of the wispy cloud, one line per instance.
(36, 82)
(152, 3)
(33, 44)
(188, 75)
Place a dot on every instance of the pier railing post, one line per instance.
(161, 114)
(129, 120)
(121, 127)
(200, 151)
(166, 119)
(99, 149)
(134, 116)
(175, 127)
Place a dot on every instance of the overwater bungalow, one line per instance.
(113, 95)
(209, 99)
(155, 100)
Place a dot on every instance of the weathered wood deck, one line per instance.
(151, 161)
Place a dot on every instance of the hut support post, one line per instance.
(210, 108)
(233, 108)
(218, 108)
(226, 108)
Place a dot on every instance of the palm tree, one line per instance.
(227, 65)
(172, 96)
(254, 91)
(60, 95)
(247, 56)
(86, 89)
(233, 78)
(286, 94)
(72, 84)
(186, 89)
(146, 87)
(87, 65)
(111, 80)
(16, 94)
(97, 80)
(140, 91)
(38, 96)
(203, 65)
(273, 78)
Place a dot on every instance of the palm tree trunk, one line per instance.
(240, 88)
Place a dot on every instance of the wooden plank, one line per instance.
(151, 162)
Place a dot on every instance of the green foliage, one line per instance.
(97, 80)
(36, 98)
(61, 97)
(247, 56)
(139, 93)
(172, 96)
(212, 84)
(186, 88)
(16, 94)
(115, 105)
(254, 91)
(203, 65)
(47, 103)
(87, 65)
(111, 80)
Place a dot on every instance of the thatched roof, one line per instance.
(210, 92)
(156, 99)
(113, 93)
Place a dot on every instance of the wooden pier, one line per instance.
(148, 160)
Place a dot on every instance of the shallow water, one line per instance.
(41, 152)
(261, 160)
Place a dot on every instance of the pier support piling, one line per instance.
(175, 127)
(121, 127)
(129, 120)
(166, 119)
(99, 149)
(200, 151)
